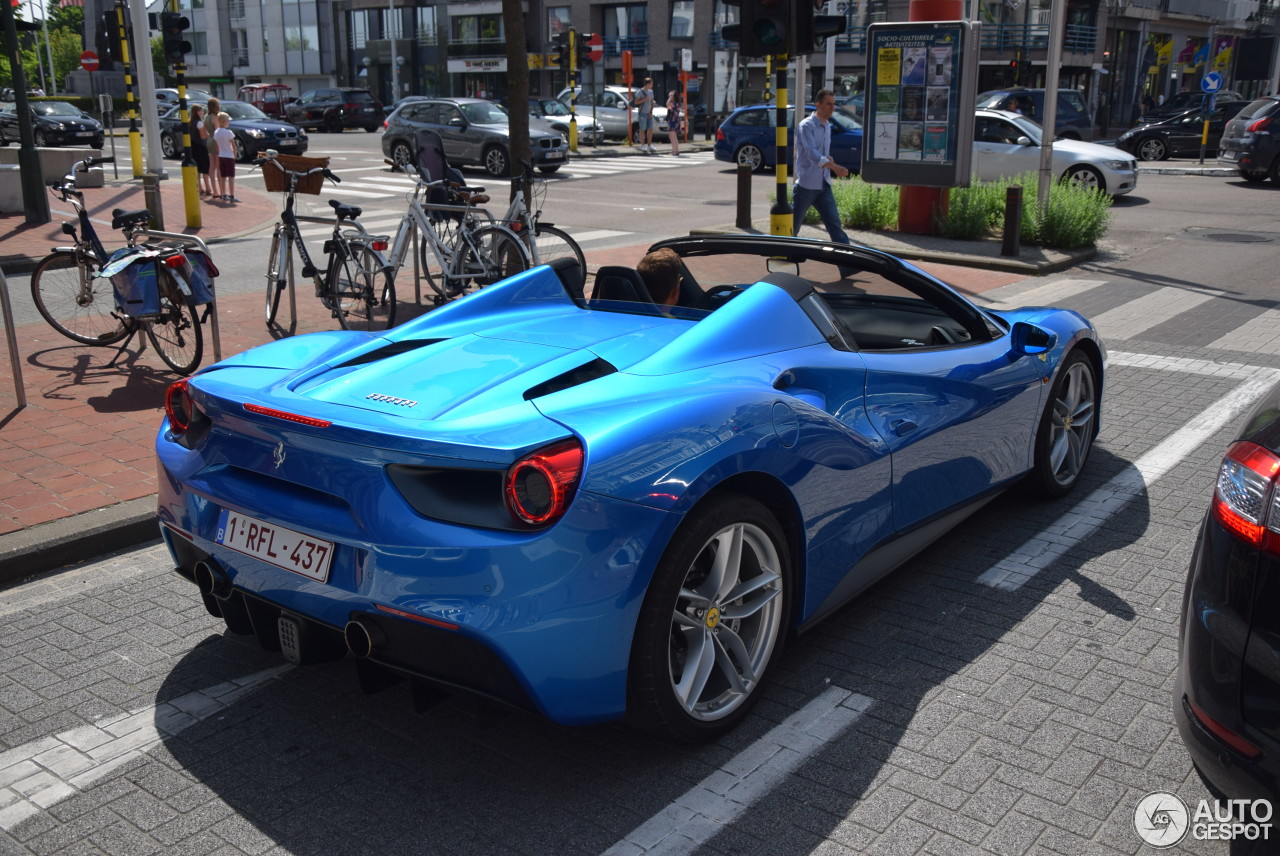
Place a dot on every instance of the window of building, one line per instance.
(472, 29)
(199, 43)
(359, 29)
(626, 22)
(724, 15)
(426, 24)
(393, 23)
(557, 20)
(305, 38)
(682, 19)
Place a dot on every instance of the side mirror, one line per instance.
(1024, 141)
(458, 122)
(1030, 339)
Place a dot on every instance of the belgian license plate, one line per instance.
(287, 143)
(275, 545)
(84, 133)
(555, 155)
(1230, 155)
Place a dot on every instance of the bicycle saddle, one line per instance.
(345, 211)
(122, 219)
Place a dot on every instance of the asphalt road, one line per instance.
(1008, 691)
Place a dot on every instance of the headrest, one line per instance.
(571, 275)
(614, 282)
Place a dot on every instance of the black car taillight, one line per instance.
(1246, 502)
(540, 486)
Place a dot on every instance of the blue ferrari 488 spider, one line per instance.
(601, 507)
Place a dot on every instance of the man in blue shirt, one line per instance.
(814, 168)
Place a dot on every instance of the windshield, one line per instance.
(484, 113)
(554, 108)
(1030, 127)
(241, 110)
(54, 108)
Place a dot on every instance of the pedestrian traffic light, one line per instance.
(810, 26)
(172, 26)
(584, 49)
(763, 28)
(560, 49)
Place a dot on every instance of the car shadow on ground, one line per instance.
(312, 765)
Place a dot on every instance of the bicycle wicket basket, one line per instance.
(275, 173)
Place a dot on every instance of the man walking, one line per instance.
(814, 168)
(643, 102)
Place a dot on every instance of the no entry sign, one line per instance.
(89, 61)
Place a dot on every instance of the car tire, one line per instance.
(1253, 177)
(402, 155)
(496, 161)
(750, 155)
(168, 145)
(688, 619)
(373, 129)
(97, 144)
(333, 125)
(549, 170)
(1067, 428)
(1151, 149)
(1083, 175)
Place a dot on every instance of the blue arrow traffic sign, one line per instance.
(1211, 82)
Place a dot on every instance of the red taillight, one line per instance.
(350, 106)
(720, 134)
(540, 486)
(176, 260)
(1245, 501)
(288, 417)
(386, 123)
(380, 246)
(1260, 125)
(1226, 735)
(178, 405)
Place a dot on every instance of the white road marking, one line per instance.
(1258, 336)
(40, 774)
(1048, 294)
(1083, 519)
(703, 810)
(1137, 316)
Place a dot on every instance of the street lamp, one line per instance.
(399, 64)
(366, 62)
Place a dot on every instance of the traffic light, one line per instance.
(108, 43)
(810, 26)
(584, 50)
(172, 26)
(560, 49)
(1017, 67)
(763, 28)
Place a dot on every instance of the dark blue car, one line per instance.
(748, 137)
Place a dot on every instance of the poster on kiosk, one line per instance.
(922, 85)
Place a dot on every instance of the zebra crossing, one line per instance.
(1183, 314)
(375, 182)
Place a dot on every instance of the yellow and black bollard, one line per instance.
(780, 215)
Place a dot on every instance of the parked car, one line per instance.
(555, 114)
(270, 98)
(1007, 144)
(254, 132)
(1179, 135)
(1181, 102)
(748, 136)
(168, 97)
(596, 507)
(1251, 141)
(334, 110)
(1228, 685)
(53, 123)
(474, 132)
(852, 104)
(611, 111)
(1072, 122)
(388, 109)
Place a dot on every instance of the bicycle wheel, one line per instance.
(447, 234)
(176, 334)
(74, 302)
(276, 272)
(552, 243)
(362, 291)
(493, 253)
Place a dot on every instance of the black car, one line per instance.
(474, 131)
(334, 110)
(54, 123)
(1227, 697)
(254, 130)
(1179, 135)
(1181, 102)
(1251, 141)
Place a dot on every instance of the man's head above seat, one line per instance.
(660, 271)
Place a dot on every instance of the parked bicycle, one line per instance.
(460, 246)
(353, 285)
(545, 242)
(78, 302)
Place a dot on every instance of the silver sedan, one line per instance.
(1007, 144)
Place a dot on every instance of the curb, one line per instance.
(37, 549)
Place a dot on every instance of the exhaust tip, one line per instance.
(211, 579)
(363, 637)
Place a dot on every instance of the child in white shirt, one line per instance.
(226, 158)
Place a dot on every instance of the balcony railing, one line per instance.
(240, 57)
(614, 46)
(1007, 37)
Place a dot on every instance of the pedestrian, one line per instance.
(814, 168)
(226, 158)
(212, 109)
(1148, 104)
(674, 123)
(200, 149)
(643, 102)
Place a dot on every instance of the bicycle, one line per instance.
(545, 242)
(348, 286)
(461, 243)
(81, 305)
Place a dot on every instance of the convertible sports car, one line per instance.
(597, 507)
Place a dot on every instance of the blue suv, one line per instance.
(748, 137)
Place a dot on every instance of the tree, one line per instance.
(517, 85)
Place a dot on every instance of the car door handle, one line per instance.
(902, 427)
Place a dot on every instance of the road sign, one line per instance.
(89, 61)
(596, 45)
(1211, 82)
